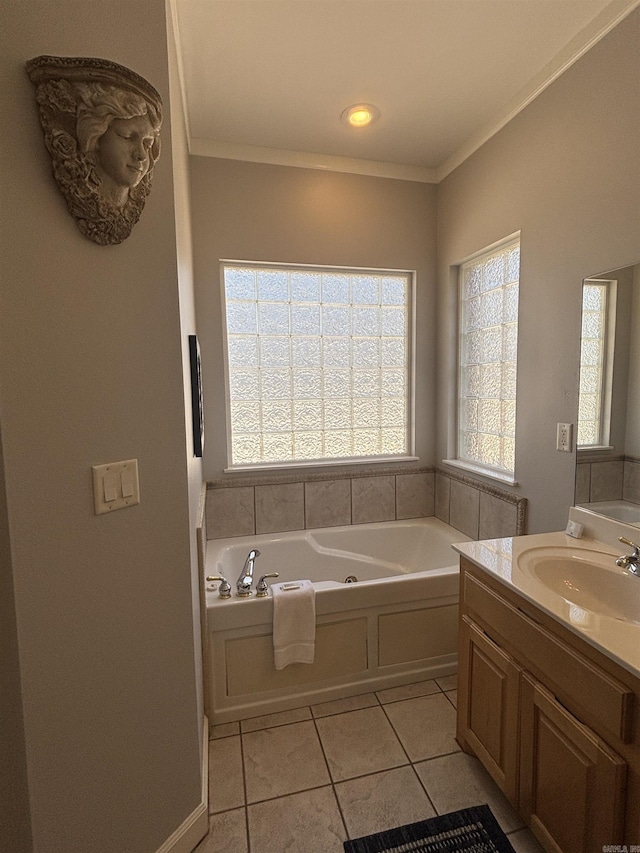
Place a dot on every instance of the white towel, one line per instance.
(294, 622)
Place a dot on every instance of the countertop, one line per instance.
(617, 638)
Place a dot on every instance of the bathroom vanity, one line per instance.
(549, 684)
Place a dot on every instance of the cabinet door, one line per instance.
(488, 686)
(571, 783)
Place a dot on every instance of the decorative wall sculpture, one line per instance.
(101, 125)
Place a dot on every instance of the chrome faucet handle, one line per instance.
(224, 590)
(261, 587)
(636, 548)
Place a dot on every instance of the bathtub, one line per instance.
(386, 614)
(624, 511)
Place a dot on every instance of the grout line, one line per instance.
(244, 788)
(331, 781)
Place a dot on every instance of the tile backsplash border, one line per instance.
(282, 502)
(476, 508)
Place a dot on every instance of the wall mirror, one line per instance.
(608, 428)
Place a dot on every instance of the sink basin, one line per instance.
(586, 578)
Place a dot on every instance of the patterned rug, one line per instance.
(474, 829)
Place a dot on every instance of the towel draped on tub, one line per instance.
(294, 623)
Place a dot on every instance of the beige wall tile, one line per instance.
(327, 503)
(632, 481)
(230, 512)
(414, 495)
(497, 517)
(464, 510)
(442, 497)
(279, 508)
(373, 499)
(583, 482)
(606, 480)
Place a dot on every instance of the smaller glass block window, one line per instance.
(488, 335)
(318, 364)
(593, 415)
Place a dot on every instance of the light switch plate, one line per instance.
(115, 486)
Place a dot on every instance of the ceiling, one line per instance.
(267, 80)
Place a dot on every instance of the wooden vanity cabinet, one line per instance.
(552, 719)
(488, 697)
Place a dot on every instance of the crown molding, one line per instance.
(590, 35)
(307, 160)
(177, 41)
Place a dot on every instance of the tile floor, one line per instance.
(303, 781)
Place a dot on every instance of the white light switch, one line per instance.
(115, 486)
(109, 484)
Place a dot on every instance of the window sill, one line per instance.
(483, 472)
(321, 463)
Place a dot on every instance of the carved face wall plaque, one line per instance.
(101, 125)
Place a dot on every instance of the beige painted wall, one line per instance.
(260, 212)
(15, 817)
(91, 372)
(566, 173)
(632, 439)
(184, 255)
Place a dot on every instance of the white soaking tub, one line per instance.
(396, 623)
(625, 511)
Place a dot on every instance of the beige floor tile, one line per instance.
(224, 730)
(383, 800)
(524, 841)
(308, 822)
(226, 785)
(283, 760)
(227, 833)
(408, 691)
(280, 718)
(359, 742)
(452, 696)
(426, 725)
(447, 682)
(339, 706)
(460, 781)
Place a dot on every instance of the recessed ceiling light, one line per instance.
(360, 115)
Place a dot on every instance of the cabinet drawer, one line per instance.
(590, 692)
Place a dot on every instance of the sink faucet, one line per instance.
(245, 581)
(630, 561)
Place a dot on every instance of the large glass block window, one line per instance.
(488, 336)
(318, 364)
(595, 366)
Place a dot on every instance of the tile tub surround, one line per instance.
(479, 510)
(602, 478)
(284, 502)
(244, 507)
(305, 779)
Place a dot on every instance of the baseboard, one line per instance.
(192, 830)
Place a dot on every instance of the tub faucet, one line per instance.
(245, 581)
(631, 562)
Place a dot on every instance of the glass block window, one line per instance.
(593, 408)
(488, 336)
(318, 364)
